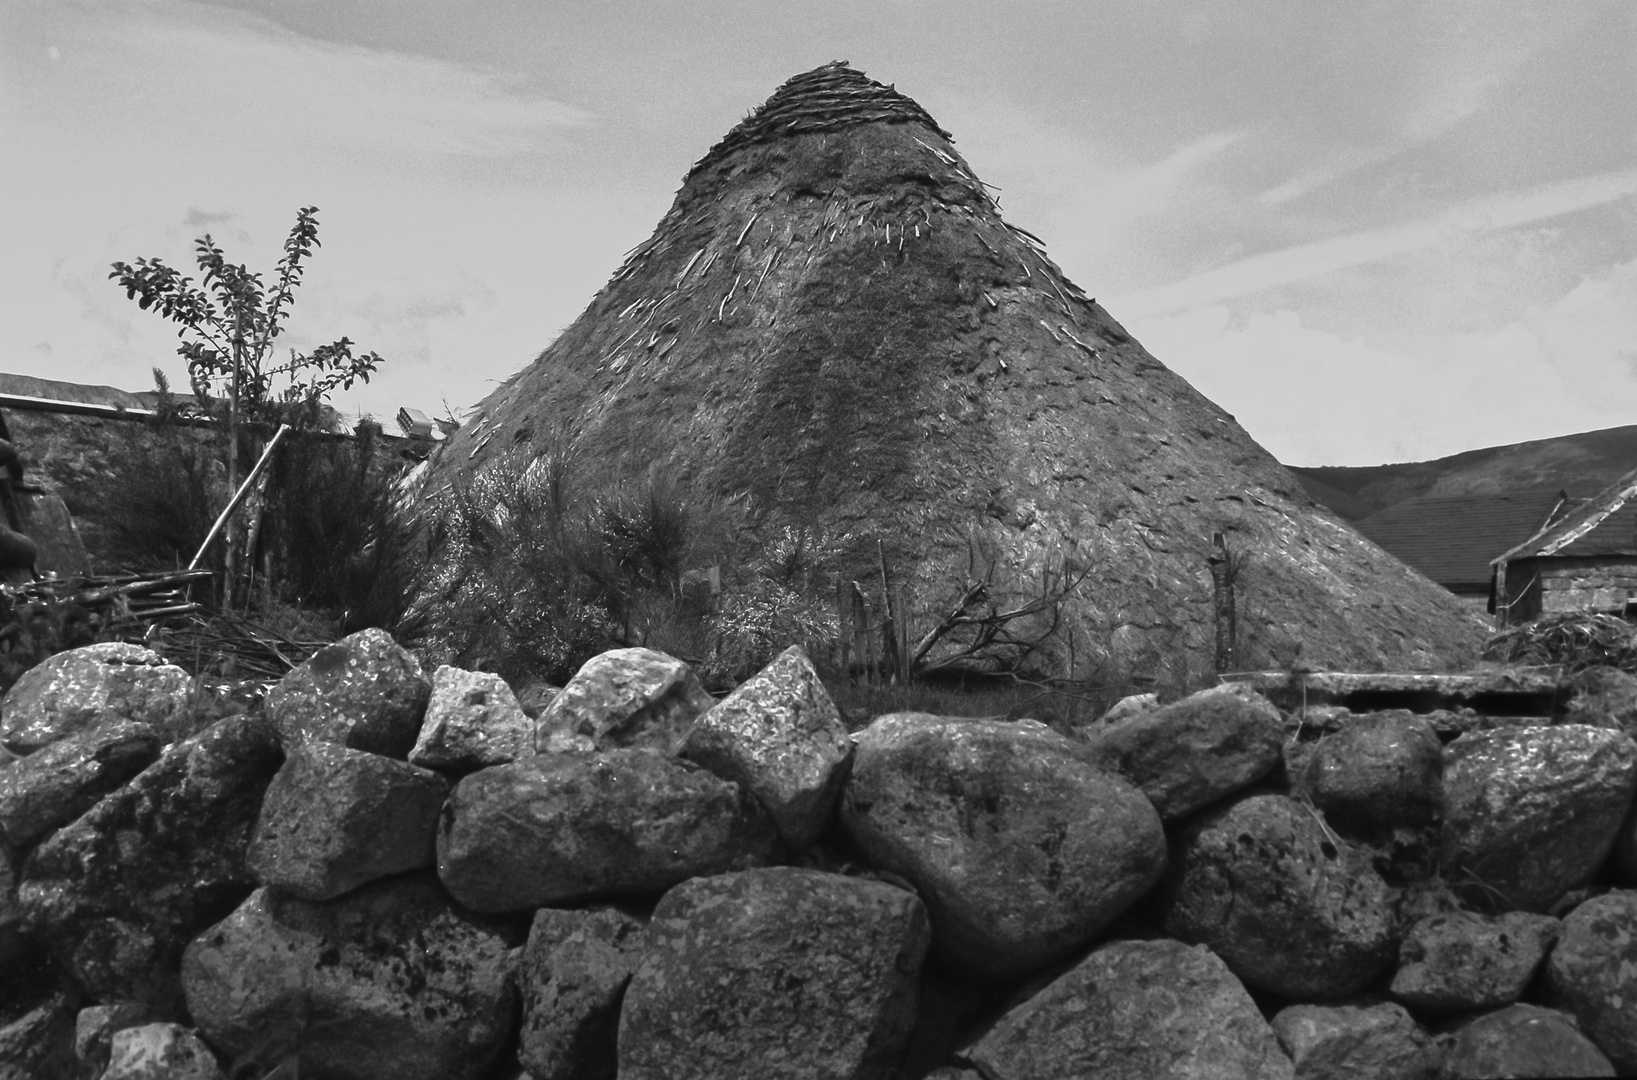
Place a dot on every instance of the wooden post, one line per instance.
(238, 496)
(862, 638)
(905, 664)
(889, 632)
(844, 626)
(1221, 563)
(1503, 606)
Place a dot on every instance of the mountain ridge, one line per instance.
(1581, 464)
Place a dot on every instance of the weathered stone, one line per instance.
(37, 1036)
(56, 784)
(1022, 847)
(1379, 781)
(1463, 961)
(389, 982)
(118, 893)
(335, 818)
(82, 688)
(563, 828)
(1193, 752)
(160, 1052)
(1383, 771)
(94, 1030)
(1530, 814)
(364, 692)
(1129, 707)
(774, 973)
(1134, 1010)
(1288, 909)
(627, 697)
(1356, 1042)
(1592, 974)
(473, 720)
(573, 976)
(1603, 697)
(1522, 1040)
(779, 736)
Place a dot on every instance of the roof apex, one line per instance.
(830, 96)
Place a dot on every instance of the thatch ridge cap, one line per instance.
(830, 96)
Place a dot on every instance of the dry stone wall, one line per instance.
(385, 875)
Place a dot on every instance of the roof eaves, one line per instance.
(1595, 512)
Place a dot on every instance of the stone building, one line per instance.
(1585, 561)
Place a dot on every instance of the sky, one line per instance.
(1374, 232)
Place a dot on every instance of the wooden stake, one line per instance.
(238, 496)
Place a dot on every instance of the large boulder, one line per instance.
(779, 736)
(559, 829)
(1356, 1042)
(774, 973)
(1291, 909)
(623, 698)
(1462, 960)
(37, 1034)
(573, 976)
(1192, 752)
(82, 688)
(335, 818)
(95, 1028)
(1522, 1040)
(1381, 773)
(117, 893)
(58, 783)
(364, 692)
(473, 720)
(160, 1052)
(389, 982)
(1134, 1010)
(1592, 974)
(1021, 846)
(1603, 697)
(1531, 813)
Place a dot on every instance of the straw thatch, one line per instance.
(834, 319)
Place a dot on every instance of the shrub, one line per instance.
(339, 536)
(540, 564)
(158, 504)
(777, 601)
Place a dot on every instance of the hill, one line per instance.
(1581, 464)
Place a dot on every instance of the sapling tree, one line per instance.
(229, 322)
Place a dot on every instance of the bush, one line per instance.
(159, 502)
(778, 601)
(539, 565)
(338, 536)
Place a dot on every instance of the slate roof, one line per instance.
(1454, 539)
(1605, 524)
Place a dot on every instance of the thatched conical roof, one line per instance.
(834, 318)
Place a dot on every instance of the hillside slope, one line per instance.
(1582, 464)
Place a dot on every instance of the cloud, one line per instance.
(200, 219)
(242, 85)
(1305, 261)
(1316, 397)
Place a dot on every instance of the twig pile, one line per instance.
(1575, 639)
(224, 644)
(143, 597)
